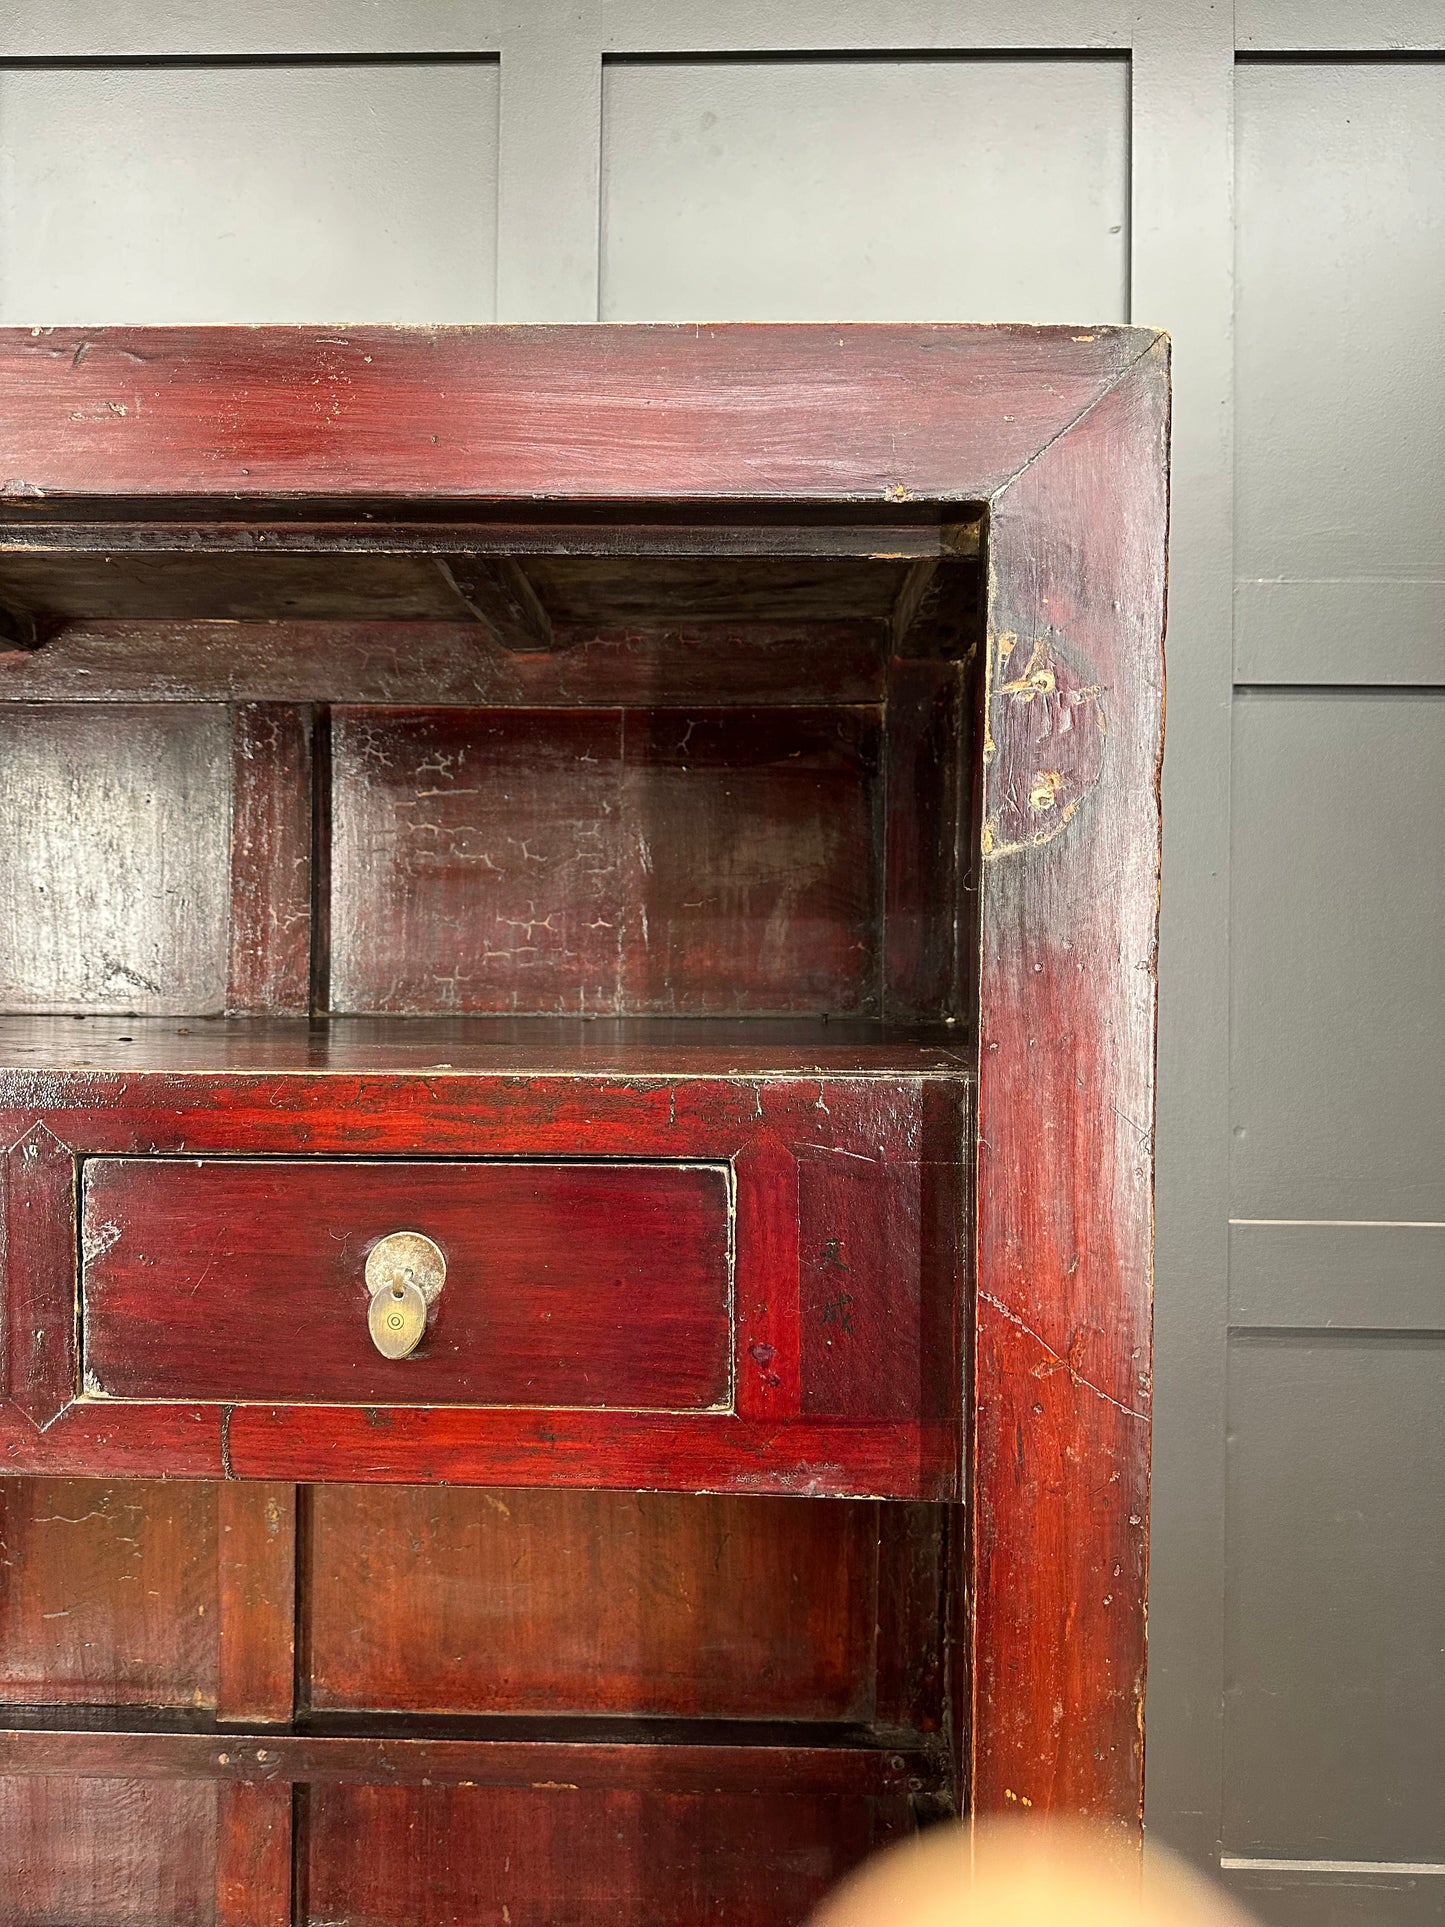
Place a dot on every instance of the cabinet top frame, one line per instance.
(726, 412)
(1059, 436)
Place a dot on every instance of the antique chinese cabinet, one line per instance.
(577, 919)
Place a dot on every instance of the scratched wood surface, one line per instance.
(113, 846)
(708, 1608)
(109, 1593)
(634, 414)
(555, 1857)
(605, 861)
(827, 1277)
(107, 1853)
(1069, 918)
(567, 1284)
(791, 745)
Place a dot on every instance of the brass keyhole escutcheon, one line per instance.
(404, 1273)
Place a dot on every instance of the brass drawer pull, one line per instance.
(404, 1273)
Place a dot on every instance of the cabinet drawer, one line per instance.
(567, 1284)
(695, 1280)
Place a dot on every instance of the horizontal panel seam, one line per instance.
(1346, 1224)
(1250, 1863)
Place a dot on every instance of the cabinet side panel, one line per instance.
(1069, 923)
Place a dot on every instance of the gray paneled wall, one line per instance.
(1335, 1589)
(259, 192)
(1340, 423)
(1271, 187)
(937, 188)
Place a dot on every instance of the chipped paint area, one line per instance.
(1044, 744)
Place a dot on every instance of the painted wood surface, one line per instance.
(697, 1607)
(842, 1350)
(777, 1758)
(411, 1855)
(634, 414)
(566, 1284)
(1069, 922)
(604, 861)
(109, 1852)
(1039, 912)
(109, 1594)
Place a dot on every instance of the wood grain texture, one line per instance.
(522, 1602)
(605, 862)
(766, 1127)
(742, 664)
(928, 781)
(584, 413)
(694, 1757)
(499, 593)
(1060, 437)
(253, 1855)
(567, 1284)
(1066, 1105)
(38, 1263)
(99, 1049)
(109, 1593)
(256, 1563)
(107, 1853)
(756, 840)
(270, 909)
(558, 1857)
(475, 861)
(113, 829)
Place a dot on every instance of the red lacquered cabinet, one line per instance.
(577, 922)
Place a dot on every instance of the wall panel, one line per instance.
(331, 192)
(940, 189)
(1340, 469)
(1335, 1735)
(1339, 971)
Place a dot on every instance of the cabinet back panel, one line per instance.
(107, 1853)
(109, 1594)
(114, 857)
(606, 861)
(593, 1602)
(433, 1856)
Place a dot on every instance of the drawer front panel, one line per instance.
(567, 1284)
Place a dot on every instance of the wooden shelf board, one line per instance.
(484, 1046)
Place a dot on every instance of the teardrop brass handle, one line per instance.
(404, 1273)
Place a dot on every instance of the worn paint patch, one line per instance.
(1044, 743)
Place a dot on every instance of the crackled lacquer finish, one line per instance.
(1005, 1363)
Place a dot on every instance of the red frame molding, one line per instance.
(1062, 437)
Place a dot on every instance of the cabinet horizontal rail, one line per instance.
(640, 1756)
(390, 535)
